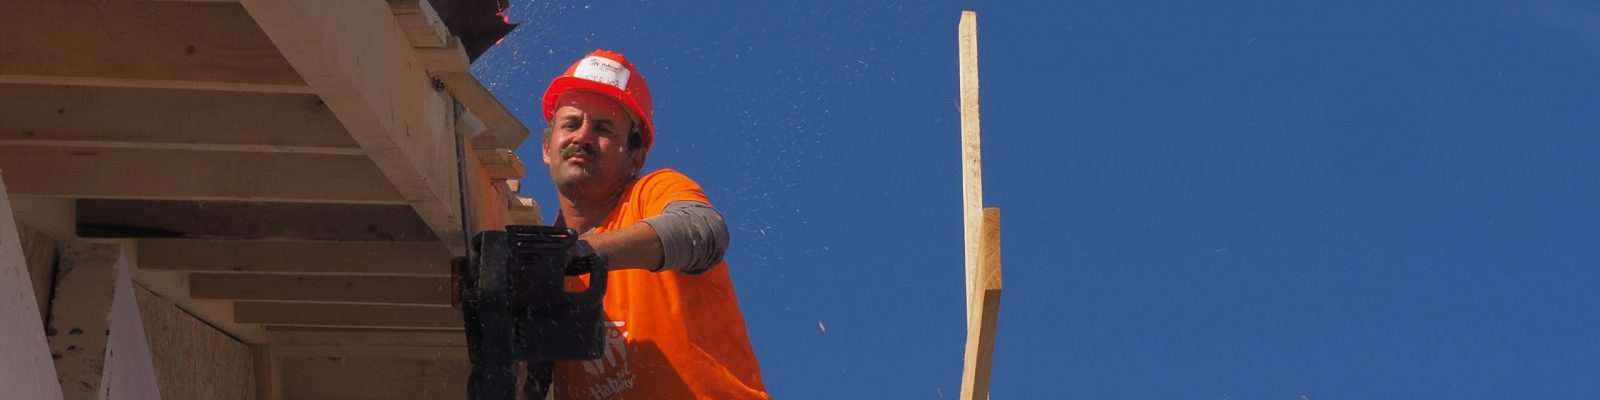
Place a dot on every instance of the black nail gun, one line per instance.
(512, 298)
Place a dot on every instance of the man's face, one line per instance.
(587, 149)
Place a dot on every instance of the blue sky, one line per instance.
(1206, 200)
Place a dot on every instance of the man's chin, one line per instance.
(572, 179)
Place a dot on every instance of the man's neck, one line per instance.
(584, 211)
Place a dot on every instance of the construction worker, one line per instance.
(676, 327)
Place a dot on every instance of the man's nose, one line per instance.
(585, 134)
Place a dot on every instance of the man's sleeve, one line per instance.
(694, 237)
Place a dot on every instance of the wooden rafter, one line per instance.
(248, 220)
(110, 117)
(346, 315)
(85, 172)
(299, 257)
(415, 290)
(197, 46)
(357, 60)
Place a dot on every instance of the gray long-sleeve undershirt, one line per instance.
(694, 237)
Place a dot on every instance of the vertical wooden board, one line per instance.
(192, 359)
(26, 371)
(985, 311)
(971, 151)
(374, 378)
(269, 376)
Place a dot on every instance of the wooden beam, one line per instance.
(971, 151)
(985, 311)
(490, 124)
(296, 257)
(26, 371)
(241, 220)
(501, 163)
(420, 22)
(524, 211)
(357, 60)
(322, 288)
(350, 315)
(112, 173)
(374, 378)
(47, 115)
(349, 336)
(192, 360)
(269, 373)
(491, 205)
(503, 129)
(362, 351)
(195, 46)
(80, 323)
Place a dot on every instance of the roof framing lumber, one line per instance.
(985, 308)
(322, 288)
(268, 373)
(124, 173)
(374, 378)
(99, 218)
(420, 22)
(496, 126)
(364, 336)
(255, 257)
(345, 315)
(981, 227)
(197, 46)
(357, 60)
(45, 115)
(373, 351)
(971, 150)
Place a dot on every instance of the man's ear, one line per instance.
(544, 150)
(638, 159)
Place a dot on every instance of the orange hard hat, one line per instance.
(610, 74)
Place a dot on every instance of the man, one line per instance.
(676, 327)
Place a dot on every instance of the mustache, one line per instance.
(587, 150)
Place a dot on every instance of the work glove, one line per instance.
(583, 258)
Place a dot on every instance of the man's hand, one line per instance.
(583, 258)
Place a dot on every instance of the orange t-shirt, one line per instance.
(673, 335)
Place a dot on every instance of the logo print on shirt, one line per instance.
(615, 361)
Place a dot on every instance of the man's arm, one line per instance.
(688, 236)
(633, 247)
